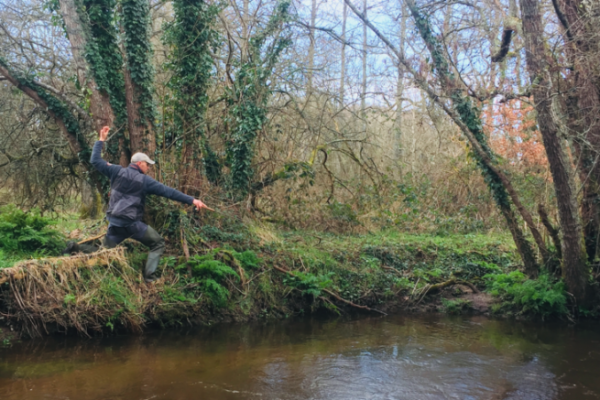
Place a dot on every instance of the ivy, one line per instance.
(136, 19)
(248, 96)
(102, 54)
(192, 35)
(104, 58)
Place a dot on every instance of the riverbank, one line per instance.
(258, 274)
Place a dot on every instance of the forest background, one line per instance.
(430, 117)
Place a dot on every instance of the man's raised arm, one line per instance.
(101, 165)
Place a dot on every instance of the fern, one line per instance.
(24, 233)
(213, 269)
(217, 293)
(542, 297)
(248, 259)
(309, 283)
(210, 273)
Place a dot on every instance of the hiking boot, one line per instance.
(150, 278)
(72, 248)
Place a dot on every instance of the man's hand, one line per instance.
(104, 133)
(198, 204)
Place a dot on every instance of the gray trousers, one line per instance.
(140, 232)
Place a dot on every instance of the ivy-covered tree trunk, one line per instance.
(248, 96)
(99, 103)
(105, 65)
(191, 35)
(139, 76)
(574, 259)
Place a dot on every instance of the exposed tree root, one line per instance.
(334, 295)
(439, 286)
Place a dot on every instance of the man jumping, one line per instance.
(128, 189)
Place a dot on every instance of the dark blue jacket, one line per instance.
(129, 187)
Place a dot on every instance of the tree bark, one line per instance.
(363, 89)
(574, 263)
(583, 107)
(311, 48)
(400, 87)
(343, 57)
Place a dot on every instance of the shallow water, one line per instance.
(395, 357)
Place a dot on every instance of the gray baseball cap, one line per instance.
(141, 157)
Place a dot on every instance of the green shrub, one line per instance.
(27, 233)
(542, 297)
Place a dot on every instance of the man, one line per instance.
(128, 189)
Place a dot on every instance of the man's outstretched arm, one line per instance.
(157, 188)
(101, 165)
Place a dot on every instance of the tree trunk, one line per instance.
(311, 48)
(363, 89)
(138, 74)
(400, 87)
(137, 131)
(574, 263)
(343, 57)
(583, 107)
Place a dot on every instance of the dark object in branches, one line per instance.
(500, 187)
(551, 230)
(506, 38)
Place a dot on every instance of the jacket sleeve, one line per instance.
(101, 165)
(157, 188)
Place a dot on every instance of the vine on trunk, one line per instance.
(104, 58)
(136, 19)
(247, 97)
(192, 35)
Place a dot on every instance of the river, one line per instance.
(394, 357)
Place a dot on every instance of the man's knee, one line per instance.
(154, 241)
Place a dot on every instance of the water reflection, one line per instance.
(365, 358)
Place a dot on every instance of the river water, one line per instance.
(394, 357)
